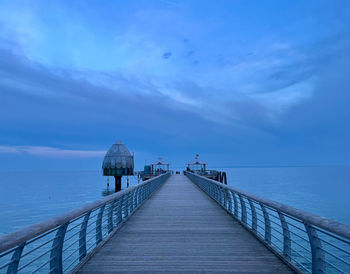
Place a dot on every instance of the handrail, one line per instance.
(322, 222)
(307, 242)
(112, 210)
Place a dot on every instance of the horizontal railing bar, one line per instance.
(277, 248)
(71, 236)
(41, 236)
(334, 266)
(312, 219)
(77, 249)
(72, 228)
(91, 238)
(7, 252)
(334, 246)
(333, 235)
(336, 257)
(277, 231)
(278, 224)
(300, 245)
(299, 264)
(294, 218)
(75, 226)
(94, 222)
(302, 256)
(3, 266)
(73, 243)
(300, 237)
(258, 213)
(15, 238)
(70, 265)
(36, 248)
(261, 235)
(281, 241)
(263, 228)
(40, 267)
(40, 256)
(68, 256)
(88, 249)
(299, 228)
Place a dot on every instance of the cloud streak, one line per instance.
(51, 152)
(246, 81)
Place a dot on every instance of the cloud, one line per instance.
(233, 85)
(51, 152)
(132, 66)
(167, 55)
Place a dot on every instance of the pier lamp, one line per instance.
(118, 162)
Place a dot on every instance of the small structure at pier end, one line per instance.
(154, 169)
(118, 162)
(200, 167)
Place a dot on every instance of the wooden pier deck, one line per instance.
(181, 229)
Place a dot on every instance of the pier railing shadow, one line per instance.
(306, 242)
(59, 244)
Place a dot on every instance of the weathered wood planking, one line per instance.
(181, 229)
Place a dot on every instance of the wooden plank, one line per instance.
(180, 229)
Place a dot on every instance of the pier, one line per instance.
(180, 223)
(181, 229)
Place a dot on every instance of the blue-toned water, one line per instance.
(30, 197)
(324, 191)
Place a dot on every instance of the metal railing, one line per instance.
(306, 242)
(57, 245)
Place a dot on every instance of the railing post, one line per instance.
(146, 191)
(225, 198)
(222, 196)
(129, 202)
(125, 206)
(267, 223)
(82, 236)
(143, 193)
(137, 194)
(99, 225)
(110, 216)
(134, 198)
(286, 236)
(318, 256)
(13, 266)
(228, 193)
(138, 198)
(236, 204)
(217, 193)
(254, 218)
(244, 209)
(56, 250)
(119, 206)
(210, 190)
(205, 186)
(214, 192)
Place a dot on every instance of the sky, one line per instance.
(241, 83)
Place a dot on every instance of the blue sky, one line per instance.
(239, 82)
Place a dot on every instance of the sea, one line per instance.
(28, 197)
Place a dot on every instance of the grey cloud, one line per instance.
(167, 55)
(51, 151)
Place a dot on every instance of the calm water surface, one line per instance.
(30, 197)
